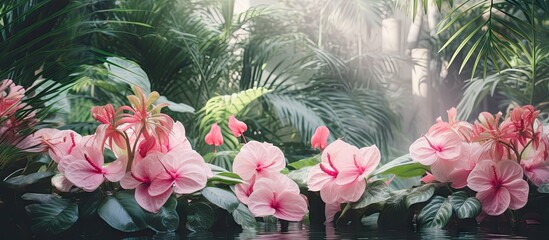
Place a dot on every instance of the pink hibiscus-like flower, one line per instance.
(184, 171)
(258, 159)
(244, 190)
(279, 196)
(320, 137)
(462, 128)
(494, 135)
(340, 177)
(536, 166)
(214, 137)
(499, 186)
(474, 153)
(106, 115)
(140, 179)
(445, 146)
(86, 168)
(237, 127)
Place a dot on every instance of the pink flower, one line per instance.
(261, 159)
(330, 210)
(444, 146)
(214, 137)
(458, 176)
(87, 170)
(244, 190)
(237, 127)
(184, 171)
(340, 177)
(320, 137)
(140, 179)
(499, 186)
(143, 115)
(278, 196)
(462, 128)
(490, 132)
(107, 116)
(60, 143)
(428, 178)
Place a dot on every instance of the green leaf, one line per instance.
(244, 217)
(215, 168)
(200, 216)
(436, 213)
(88, 203)
(122, 212)
(300, 176)
(544, 188)
(465, 206)
(228, 178)
(420, 194)
(38, 197)
(176, 107)
(25, 180)
(402, 166)
(375, 192)
(221, 198)
(54, 216)
(395, 214)
(307, 162)
(126, 71)
(165, 220)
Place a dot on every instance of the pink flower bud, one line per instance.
(320, 137)
(236, 126)
(214, 137)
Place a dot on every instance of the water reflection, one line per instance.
(304, 231)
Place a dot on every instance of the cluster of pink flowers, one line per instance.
(11, 103)
(153, 156)
(492, 156)
(341, 175)
(265, 190)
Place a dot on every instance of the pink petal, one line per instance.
(330, 210)
(129, 182)
(317, 178)
(244, 190)
(237, 127)
(291, 206)
(260, 202)
(214, 137)
(148, 202)
(83, 175)
(353, 191)
(508, 170)
(458, 178)
(518, 190)
(421, 152)
(494, 202)
(331, 193)
(441, 170)
(537, 173)
(258, 158)
(61, 183)
(481, 177)
(160, 184)
(191, 180)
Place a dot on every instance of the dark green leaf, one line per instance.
(544, 188)
(129, 72)
(38, 197)
(89, 202)
(25, 180)
(165, 220)
(375, 192)
(244, 217)
(228, 178)
(395, 214)
(54, 216)
(436, 213)
(465, 206)
(221, 197)
(200, 217)
(420, 194)
(122, 212)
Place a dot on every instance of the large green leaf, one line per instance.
(125, 71)
(221, 197)
(300, 176)
(375, 192)
(244, 217)
(54, 216)
(307, 162)
(20, 182)
(436, 213)
(402, 166)
(465, 206)
(200, 217)
(228, 178)
(166, 219)
(395, 214)
(122, 212)
(420, 194)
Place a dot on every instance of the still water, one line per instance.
(298, 231)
